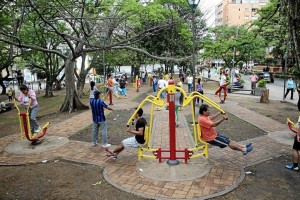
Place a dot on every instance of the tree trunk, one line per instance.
(49, 92)
(71, 101)
(83, 73)
(264, 98)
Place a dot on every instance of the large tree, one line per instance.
(232, 42)
(79, 24)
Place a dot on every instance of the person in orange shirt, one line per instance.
(111, 87)
(210, 135)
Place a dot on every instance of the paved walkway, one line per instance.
(226, 166)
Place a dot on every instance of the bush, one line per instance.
(262, 83)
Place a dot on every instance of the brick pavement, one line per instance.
(226, 165)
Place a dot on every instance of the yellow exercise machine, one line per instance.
(25, 128)
(198, 143)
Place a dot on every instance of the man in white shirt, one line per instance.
(189, 80)
(161, 84)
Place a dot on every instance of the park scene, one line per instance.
(150, 99)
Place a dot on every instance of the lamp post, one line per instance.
(193, 4)
(103, 36)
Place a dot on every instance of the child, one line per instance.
(10, 94)
(92, 89)
(24, 97)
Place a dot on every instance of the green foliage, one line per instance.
(262, 83)
(225, 41)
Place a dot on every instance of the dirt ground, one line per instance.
(267, 180)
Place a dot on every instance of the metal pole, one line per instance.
(285, 67)
(171, 102)
(193, 51)
(103, 63)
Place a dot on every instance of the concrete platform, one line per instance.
(152, 169)
(25, 147)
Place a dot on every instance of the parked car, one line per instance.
(267, 76)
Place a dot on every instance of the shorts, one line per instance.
(296, 145)
(131, 142)
(220, 141)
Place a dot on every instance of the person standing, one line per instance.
(296, 149)
(135, 141)
(253, 79)
(177, 105)
(290, 87)
(161, 84)
(154, 84)
(210, 135)
(199, 87)
(189, 80)
(144, 78)
(24, 97)
(10, 94)
(92, 89)
(123, 83)
(111, 87)
(97, 106)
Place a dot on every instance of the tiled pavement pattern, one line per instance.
(227, 165)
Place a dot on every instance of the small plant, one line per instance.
(262, 83)
(242, 80)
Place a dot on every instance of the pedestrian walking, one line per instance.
(253, 79)
(290, 87)
(97, 106)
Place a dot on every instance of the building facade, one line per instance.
(237, 12)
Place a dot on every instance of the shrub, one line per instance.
(262, 83)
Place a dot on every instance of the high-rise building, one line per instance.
(237, 12)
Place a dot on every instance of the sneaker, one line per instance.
(113, 156)
(94, 144)
(106, 145)
(109, 151)
(249, 148)
(292, 167)
(248, 145)
(38, 130)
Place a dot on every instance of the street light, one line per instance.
(193, 4)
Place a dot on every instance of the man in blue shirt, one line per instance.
(97, 106)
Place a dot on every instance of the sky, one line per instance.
(208, 8)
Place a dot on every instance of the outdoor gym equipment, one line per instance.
(148, 130)
(25, 128)
(293, 127)
(198, 143)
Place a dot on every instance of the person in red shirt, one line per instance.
(210, 135)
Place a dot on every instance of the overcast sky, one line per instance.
(208, 8)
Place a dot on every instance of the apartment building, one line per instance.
(237, 12)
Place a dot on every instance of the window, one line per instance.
(254, 9)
